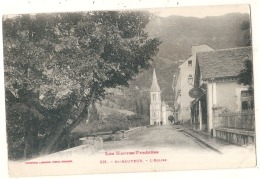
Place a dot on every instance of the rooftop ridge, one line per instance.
(225, 49)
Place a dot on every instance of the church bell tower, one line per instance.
(156, 104)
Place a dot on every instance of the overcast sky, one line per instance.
(197, 11)
(201, 11)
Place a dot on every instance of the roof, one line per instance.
(223, 63)
(155, 87)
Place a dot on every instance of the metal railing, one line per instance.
(237, 120)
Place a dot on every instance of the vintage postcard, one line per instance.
(136, 90)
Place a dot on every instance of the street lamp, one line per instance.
(190, 79)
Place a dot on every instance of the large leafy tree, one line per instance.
(68, 60)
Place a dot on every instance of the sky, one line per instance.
(195, 11)
(201, 11)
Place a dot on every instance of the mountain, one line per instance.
(178, 34)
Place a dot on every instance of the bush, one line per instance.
(138, 120)
(112, 123)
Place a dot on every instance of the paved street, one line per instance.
(160, 148)
(168, 137)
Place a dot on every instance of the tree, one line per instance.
(245, 76)
(171, 118)
(23, 123)
(93, 113)
(137, 109)
(141, 108)
(246, 28)
(148, 108)
(69, 59)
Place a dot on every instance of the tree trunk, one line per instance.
(25, 145)
(62, 130)
(47, 149)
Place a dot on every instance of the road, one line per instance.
(159, 137)
(160, 148)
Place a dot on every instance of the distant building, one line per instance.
(166, 112)
(159, 111)
(181, 86)
(216, 77)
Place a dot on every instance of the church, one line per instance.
(159, 111)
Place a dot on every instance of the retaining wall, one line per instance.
(235, 136)
(124, 134)
(88, 145)
(92, 144)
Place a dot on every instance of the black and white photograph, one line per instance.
(133, 90)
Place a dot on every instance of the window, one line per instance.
(154, 97)
(247, 100)
(245, 105)
(190, 63)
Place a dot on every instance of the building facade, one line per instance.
(182, 86)
(216, 75)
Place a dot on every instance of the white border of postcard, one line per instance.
(33, 6)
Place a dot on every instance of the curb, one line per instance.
(204, 142)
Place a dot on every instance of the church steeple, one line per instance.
(156, 103)
(155, 87)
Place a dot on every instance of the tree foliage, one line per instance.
(246, 28)
(245, 76)
(68, 60)
(171, 118)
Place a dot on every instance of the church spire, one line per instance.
(155, 87)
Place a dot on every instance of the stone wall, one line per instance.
(125, 134)
(235, 136)
(88, 145)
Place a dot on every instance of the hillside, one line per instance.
(178, 34)
(107, 107)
